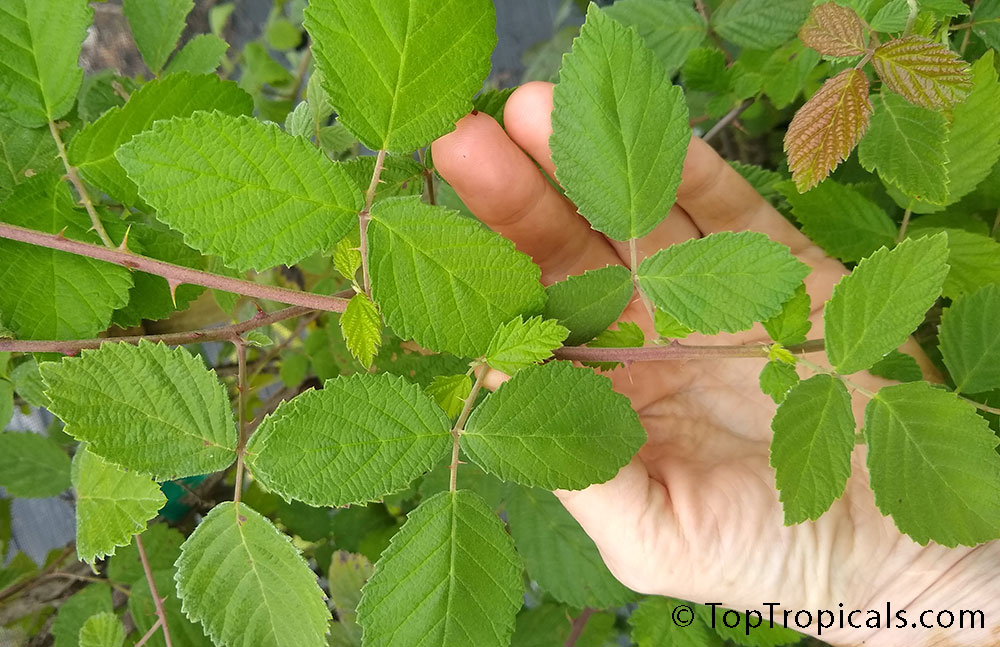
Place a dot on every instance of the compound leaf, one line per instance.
(918, 464)
(833, 30)
(452, 571)
(246, 583)
(32, 466)
(970, 340)
(725, 281)
(670, 29)
(242, 189)
(760, 24)
(588, 303)
(618, 146)
(553, 426)
(156, 27)
(518, 343)
(147, 408)
(923, 71)
(356, 440)
(362, 328)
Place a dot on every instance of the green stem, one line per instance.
(816, 368)
(241, 387)
(912, 18)
(77, 183)
(364, 217)
(456, 431)
(905, 224)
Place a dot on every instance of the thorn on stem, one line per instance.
(124, 246)
(174, 284)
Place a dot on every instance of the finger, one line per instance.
(505, 190)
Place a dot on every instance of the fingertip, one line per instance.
(528, 120)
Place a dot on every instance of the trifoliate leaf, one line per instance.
(518, 343)
(575, 574)
(898, 366)
(156, 27)
(876, 307)
(841, 220)
(147, 408)
(670, 29)
(362, 328)
(827, 128)
(760, 24)
(453, 568)
(811, 448)
(667, 326)
(891, 17)
(39, 74)
(777, 378)
(791, 325)
(252, 194)
(92, 151)
(425, 73)
(970, 341)
(906, 144)
(24, 153)
(143, 610)
(111, 505)
(445, 280)
(32, 466)
(590, 302)
(619, 166)
(653, 625)
(102, 630)
(74, 612)
(725, 281)
(201, 55)
(927, 73)
(356, 440)
(833, 30)
(918, 464)
(246, 583)
(450, 392)
(579, 432)
(347, 258)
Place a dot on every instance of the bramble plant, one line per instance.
(339, 423)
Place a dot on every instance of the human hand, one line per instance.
(695, 514)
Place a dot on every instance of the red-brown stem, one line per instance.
(678, 351)
(149, 634)
(77, 183)
(365, 216)
(241, 386)
(157, 600)
(578, 625)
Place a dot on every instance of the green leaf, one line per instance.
(918, 464)
(986, 21)
(786, 72)
(876, 307)
(147, 408)
(898, 366)
(356, 440)
(705, 70)
(20, 568)
(163, 547)
(667, 327)
(777, 379)
(906, 144)
(544, 426)
(450, 577)
(41, 41)
(93, 599)
(156, 27)
(6, 402)
(400, 175)
(362, 328)
(519, 344)
(424, 74)
(183, 632)
(945, 8)
(28, 383)
(743, 631)
(450, 392)
(811, 448)
(670, 29)
(32, 466)
(974, 261)
(347, 258)
(444, 279)
(891, 17)
(49, 294)
(347, 574)
(223, 584)
(760, 24)
(590, 302)
(927, 73)
(551, 624)
(725, 281)
(112, 504)
(24, 152)
(653, 625)
(791, 325)
(242, 189)
(970, 340)
(558, 554)
(102, 630)
(201, 55)
(92, 151)
(841, 220)
(618, 164)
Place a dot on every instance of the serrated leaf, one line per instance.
(102, 630)
(620, 166)
(362, 328)
(786, 72)
(543, 427)
(453, 569)
(575, 573)
(347, 258)
(891, 17)
(760, 24)
(445, 280)
(974, 260)
(41, 41)
(898, 366)
(112, 504)
(776, 379)
(653, 625)
(156, 27)
(811, 448)
(183, 632)
(918, 463)
(925, 72)
(906, 144)
(92, 151)
(590, 302)
(223, 585)
(163, 547)
(627, 334)
(833, 30)
(424, 76)
(242, 189)
(970, 341)
(670, 29)
(946, 8)
(73, 613)
(32, 466)
(667, 326)
(450, 392)
(705, 70)
(24, 153)
(725, 281)
(791, 325)
(356, 440)
(519, 344)
(147, 408)
(875, 308)
(986, 22)
(827, 128)
(201, 55)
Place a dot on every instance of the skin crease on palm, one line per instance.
(695, 514)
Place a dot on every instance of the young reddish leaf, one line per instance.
(924, 72)
(833, 30)
(827, 128)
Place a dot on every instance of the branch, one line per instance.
(576, 629)
(678, 351)
(241, 402)
(174, 274)
(456, 431)
(726, 120)
(74, 179)
(157, 600)
(365, 216)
